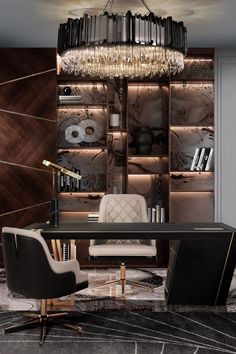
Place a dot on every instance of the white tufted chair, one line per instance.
(123, 208)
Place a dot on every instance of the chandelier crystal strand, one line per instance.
(122, 46)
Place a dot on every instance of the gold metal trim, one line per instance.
(222, 274)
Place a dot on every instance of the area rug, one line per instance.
(102, 297)
(128, 332)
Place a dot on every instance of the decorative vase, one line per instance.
(143, 140)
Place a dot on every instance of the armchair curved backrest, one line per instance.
(122, 208)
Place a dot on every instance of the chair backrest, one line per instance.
(29, 266)
(123, 208)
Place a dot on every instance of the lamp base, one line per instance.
(54, 213)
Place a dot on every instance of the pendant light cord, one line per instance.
(108, 2)
(111, 3)
(146, 5)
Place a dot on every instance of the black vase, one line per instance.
(143, 140)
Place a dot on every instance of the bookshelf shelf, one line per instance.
(191, 141)
(192, 191)
(189, 171)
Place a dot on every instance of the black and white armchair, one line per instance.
(32, 272)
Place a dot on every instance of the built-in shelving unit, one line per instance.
(147, 113)
(191, 127)
(82, 145)
(139, 136)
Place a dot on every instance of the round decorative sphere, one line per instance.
(67, 90)
(143, 140)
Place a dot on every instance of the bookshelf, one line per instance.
(192, 132)
(141, 138)
(82, 145)
(147, 112)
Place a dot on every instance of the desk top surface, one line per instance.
(136, 230)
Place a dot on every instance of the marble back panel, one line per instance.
(81, 127)
(192, 207)
(193, 181)
(116, 162)
(147, 107)
(144, 165)
(82, 202)
(92, 165)
(87, 93)
(192, 104)
(150, 186)
(184, 141)
(196, 69)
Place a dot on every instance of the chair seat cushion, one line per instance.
(71, 265)
(83, 277)
(134, 250)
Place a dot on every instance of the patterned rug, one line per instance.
(128, 332)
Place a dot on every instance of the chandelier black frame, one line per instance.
(122, 45)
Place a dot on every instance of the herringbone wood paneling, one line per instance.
(26, 140)
(35, 96)
(19, 62)
(23, 187)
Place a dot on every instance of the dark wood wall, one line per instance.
(27, 134)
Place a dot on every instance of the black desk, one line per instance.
(202, 255)
(174, 231)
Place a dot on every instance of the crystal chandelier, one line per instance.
(122, 45)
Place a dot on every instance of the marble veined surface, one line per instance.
(105, 297)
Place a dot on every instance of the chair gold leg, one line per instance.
(59, 314)
(42, 329)
(123, 282)
(21, 326)
(138, 285)
(67, 324)
(41, 319)
(122, 277)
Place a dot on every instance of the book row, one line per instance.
(156, 214)
(202, 159)
(67, 183)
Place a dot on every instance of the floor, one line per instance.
(108, 297)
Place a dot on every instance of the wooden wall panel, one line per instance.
(35, 95)
(20, 62)
(28, 134)
(24, 217)
(27, 216)
(22, 187)
(26, 140)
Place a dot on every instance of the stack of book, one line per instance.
(93, 217)
(67, 183)
(70, 99)
(65, 251)
(156, 214)
(202, 159)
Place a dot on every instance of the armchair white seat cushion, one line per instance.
(123, 208)
(109, 250)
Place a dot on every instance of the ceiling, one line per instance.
(34, 23)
